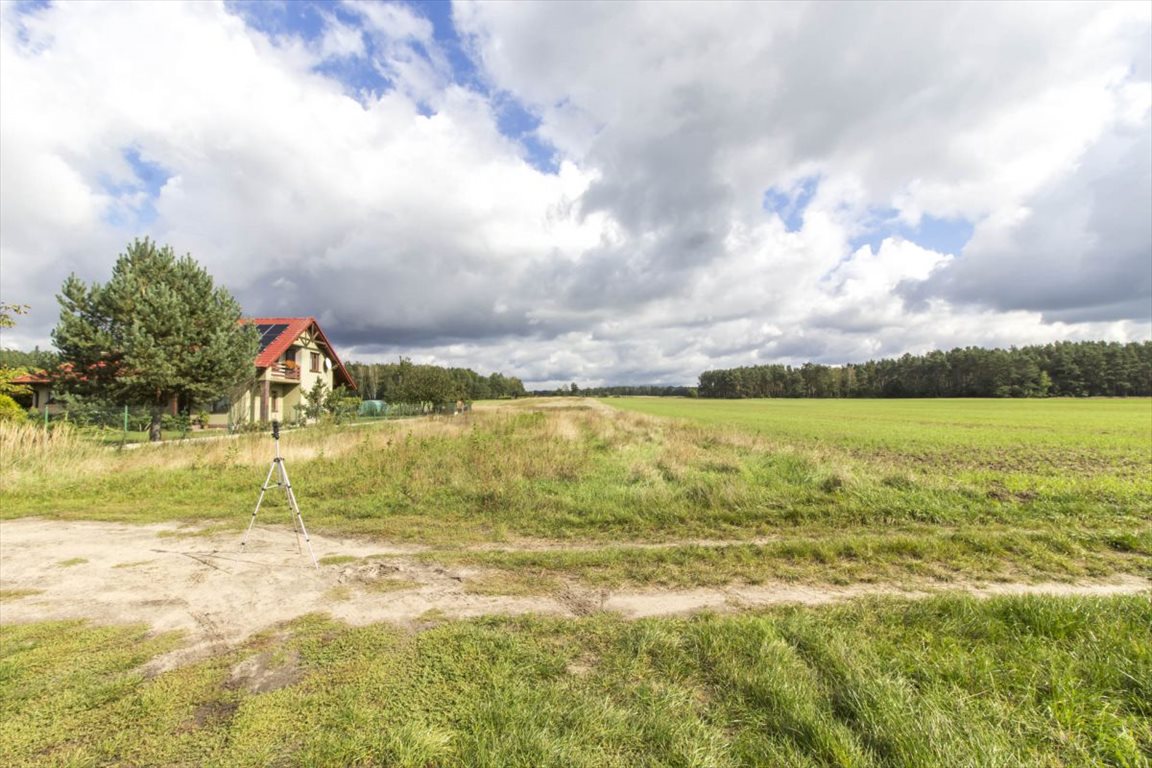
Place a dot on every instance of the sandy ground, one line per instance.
(219, 594)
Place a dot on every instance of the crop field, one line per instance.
(1035, 437)
(948, 582)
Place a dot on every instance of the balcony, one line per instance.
(286, 371)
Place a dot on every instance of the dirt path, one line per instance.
(219, 595)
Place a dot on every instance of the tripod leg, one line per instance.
(259, 501)
(287, 486)
(299, 518)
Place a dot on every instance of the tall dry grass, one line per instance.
(29, 451)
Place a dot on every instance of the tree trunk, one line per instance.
(154, 426)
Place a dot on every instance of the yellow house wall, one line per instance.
(246, 401)
(308, 377)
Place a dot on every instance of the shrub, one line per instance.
(11, 411)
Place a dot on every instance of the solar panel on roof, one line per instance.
(268, 333)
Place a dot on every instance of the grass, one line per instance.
(1039, 437)
(113, 437)
(689, 493)
(389, 585)
(822, 491)
(945, 681)
(338, 559)
(954, 555)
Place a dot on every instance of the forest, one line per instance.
(1060, 369)
(408, 382)
(618, 390)
(37, 359)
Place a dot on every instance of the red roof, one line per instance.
(33, 378)
(62, 371)
(293, 327)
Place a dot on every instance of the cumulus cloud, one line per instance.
(296, 195)
(1080, 251)
(716, 168)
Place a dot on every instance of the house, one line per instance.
(294, 354)
(41, 398)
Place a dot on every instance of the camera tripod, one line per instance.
(281, 470)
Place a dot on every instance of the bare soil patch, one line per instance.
(206, 587)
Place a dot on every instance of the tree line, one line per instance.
(37, 359)
(621, 390)
(1060, 369)
(407, 382)
(399, 382)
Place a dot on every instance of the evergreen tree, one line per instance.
(1082, 368)
(159, 330)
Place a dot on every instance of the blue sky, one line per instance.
(937, 234)
(142, 189)
(596, 192)
(308, 21)
(790, 204)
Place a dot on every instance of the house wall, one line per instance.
(246, 401)
(41, 398)
(294, 399)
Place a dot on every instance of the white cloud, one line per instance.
(340, 40)
(409, 224)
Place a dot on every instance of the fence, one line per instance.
(119, 424)
(378, 409)
(129, 424)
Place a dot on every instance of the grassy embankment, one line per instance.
(946, 681)
(820, 491)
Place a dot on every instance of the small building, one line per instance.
(294, 354)
(40, 383)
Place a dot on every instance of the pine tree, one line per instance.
(158, 330)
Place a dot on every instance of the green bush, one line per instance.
(11, 411)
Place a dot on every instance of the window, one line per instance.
(276, 401)
(315, 362)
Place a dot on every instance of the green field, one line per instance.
(541, 496)
(1034, 437)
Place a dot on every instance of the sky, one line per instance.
(595, 192)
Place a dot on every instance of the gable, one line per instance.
(277, 334)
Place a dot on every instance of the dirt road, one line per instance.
(172, 579)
